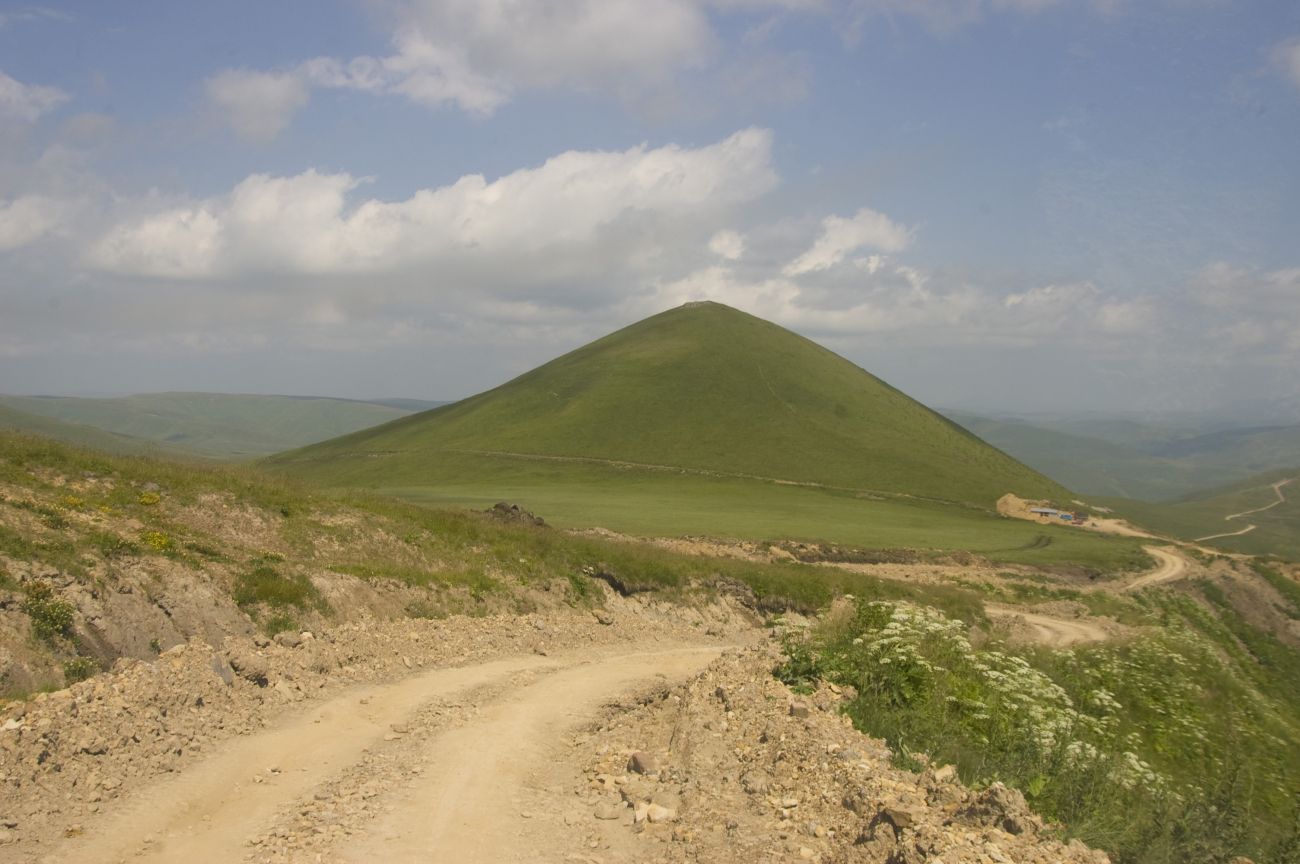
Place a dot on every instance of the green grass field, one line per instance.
(646, 503)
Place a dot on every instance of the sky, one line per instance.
(997, 205)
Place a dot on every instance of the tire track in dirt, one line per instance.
(209, 812)
(1049, 630)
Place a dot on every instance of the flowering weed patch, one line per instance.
(1149, 749)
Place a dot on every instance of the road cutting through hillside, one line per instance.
(1281, 499)
(1172, 565)
(519, 709)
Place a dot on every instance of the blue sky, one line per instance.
(425, 197)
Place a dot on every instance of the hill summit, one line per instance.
(703, 388)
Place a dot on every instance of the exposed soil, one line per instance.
(648, 747)
(1051, 630)
(1170, 566)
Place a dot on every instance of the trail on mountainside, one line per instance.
(1171, 567)
(1281, 499)
(1050, 630)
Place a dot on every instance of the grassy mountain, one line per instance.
(1131, 459)
(704, 388)
(214, 425)
(705, 420)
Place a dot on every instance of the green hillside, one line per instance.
(704, 388)
(214, 425)
(1127, 459)
(705, 420)
(82, 436)
(1276, 531)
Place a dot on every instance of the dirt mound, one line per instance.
(734, 767)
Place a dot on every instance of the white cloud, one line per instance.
(841, 236)
(728, 244)
(612, 44)
(258, 105)
(1286, 57)
(27, 219)
(27, 102)
(306, 224)
(1125, 316)
(476, 54)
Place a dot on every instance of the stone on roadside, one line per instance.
(642, 762)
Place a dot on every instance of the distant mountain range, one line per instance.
(209, 425)
(1150, 461)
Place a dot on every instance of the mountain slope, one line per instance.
(83, 436)
(1121, 458)
(704, 388)
(216, 425)
(1265, 512)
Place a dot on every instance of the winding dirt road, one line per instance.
(461, 794)
(1049, 630)
(1172, 566)
(1281, 499)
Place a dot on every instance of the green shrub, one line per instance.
(79, 669)
(51, 616)
(267, 586)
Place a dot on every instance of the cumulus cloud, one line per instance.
(563, 43)
(25, 220)
(307, 223)
(476, 54)
(1237, 312)
(27, 102)
(258, 105)
(728, 244)
(841, 236)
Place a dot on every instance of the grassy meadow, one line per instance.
(648, 503)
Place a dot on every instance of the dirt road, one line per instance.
(1049, 630)
(1281, 499)
(1172, 565)
(458, 796)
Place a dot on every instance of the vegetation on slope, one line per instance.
(213, 425)
(703, 388)
(273, 548)
(1180, 744)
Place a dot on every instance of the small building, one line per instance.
(1049, 512)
